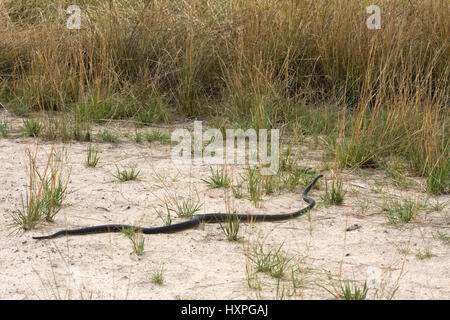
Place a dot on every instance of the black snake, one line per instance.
(195, 221)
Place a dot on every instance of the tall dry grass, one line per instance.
(259, 63)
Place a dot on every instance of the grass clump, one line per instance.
(296, 177)
(137, 239)
(182, 207)
(91, 157)
(291, 175)
(396, 171)
(442, 237)
(272, 262)
(187, 207)
(231, 228)
(335, 194)
(218, 179)
(138, 136)
(3, 130)
(159, 136)
(31, 213)
(349, 290)
(107, 136)
(253, 179)
(438, 180)
(425, 254)
(166, 218)
(31, 128)
(54, 192)
(44, 194)
(157, 276)
(237, 190)
(130, 174)
(400, 212)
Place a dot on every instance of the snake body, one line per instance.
(195, 221)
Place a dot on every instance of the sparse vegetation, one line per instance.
(107, 136)
(159, 136)
(439, 206)
(166, 218)
(404, 250)
(297, 176)
(138, 137)
(424, 254)
(441, 237)
(397, 211)
(237, 190)
(397, 172)
(364, 206)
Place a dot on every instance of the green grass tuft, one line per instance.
(400, 212)
(335, 195)
(107, 136)
(31, 128)
(231, 228)
(125, 174)
(218, 179)
(91, 157)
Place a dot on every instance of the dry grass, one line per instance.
(45, 190)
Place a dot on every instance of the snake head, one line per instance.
(317, 177)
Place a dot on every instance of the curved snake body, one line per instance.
(195, 221)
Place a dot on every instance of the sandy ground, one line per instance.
(201, 263)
